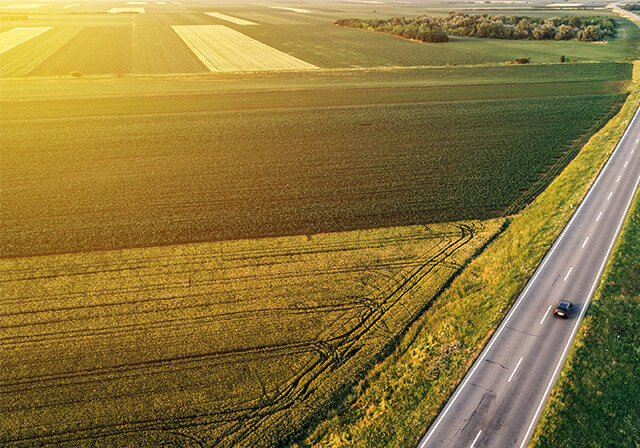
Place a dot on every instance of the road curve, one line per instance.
(499, 401)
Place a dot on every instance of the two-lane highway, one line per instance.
(500, 399)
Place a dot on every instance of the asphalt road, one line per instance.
(500, 400)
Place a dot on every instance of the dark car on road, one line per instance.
(563, 309)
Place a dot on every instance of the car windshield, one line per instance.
(563, 305)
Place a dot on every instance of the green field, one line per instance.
(191, 258)
(115, 173)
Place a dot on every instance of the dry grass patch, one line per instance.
(16, 36)
(222, 49)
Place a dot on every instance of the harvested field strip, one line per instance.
(21, 61)
(231, 19)
(71, 6)
(123, 10)
(16, 36)
(300, 10)
(112, 43)
(222, 49)
(230, 340)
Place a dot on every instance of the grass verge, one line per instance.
(395, 403)
(595, 401)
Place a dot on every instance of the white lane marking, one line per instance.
(632, 151)
(626, 163)
(585, 242)
(618, 179)
(514, 371)
(567, 276)
(637, 141)
(545, 314)
(441, 416)
(609, 197)
(579, 320)
(599, 215)
(476, 439)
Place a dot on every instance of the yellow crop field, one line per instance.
(223, 49)
(21, 61)
(231, 19)
(237, 341)
(16, 36)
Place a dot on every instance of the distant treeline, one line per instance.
(437, 29)
(631, 6)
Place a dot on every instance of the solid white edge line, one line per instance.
(514, 370)
(539, 269)
(545, 314)
(582, 313)
(476, 439)
(568, 273)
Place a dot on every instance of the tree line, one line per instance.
(438, 29)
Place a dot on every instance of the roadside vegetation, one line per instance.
(437, 29)
(595, 401)
(396, 402)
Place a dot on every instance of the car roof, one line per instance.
(564, 303)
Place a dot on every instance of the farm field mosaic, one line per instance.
(216, 218)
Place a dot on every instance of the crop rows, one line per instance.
(84, 183)
(226, 341)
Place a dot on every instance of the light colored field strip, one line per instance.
(304, 11)
(135, 3)
(71, 5)
(222, 49)
(16, 36)
(235, 20)
(133, 9)
(36, 52)
(23, 6)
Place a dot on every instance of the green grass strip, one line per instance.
(394, 405)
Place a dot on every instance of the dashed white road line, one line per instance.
(514, 371)
(568, 273)
(545, 314)
(476, 439)
(610, 194)
(618, 179)
(599, 215)
(626, 163)
(585, 242)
